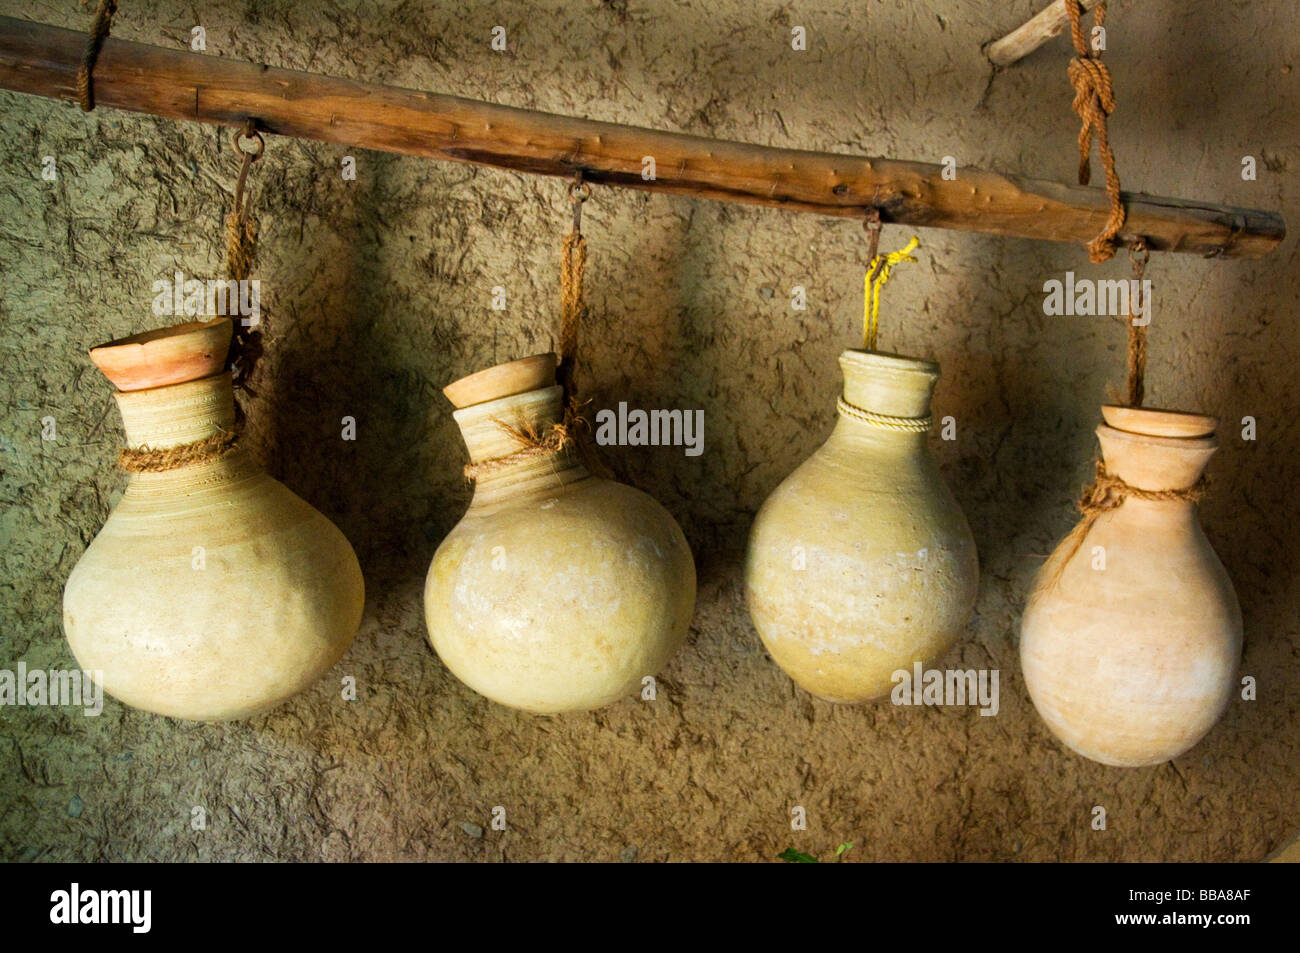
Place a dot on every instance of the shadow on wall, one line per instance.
(345, 432)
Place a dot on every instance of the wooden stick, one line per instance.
(1024, 39)
(177, 84)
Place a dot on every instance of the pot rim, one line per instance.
(888, 362)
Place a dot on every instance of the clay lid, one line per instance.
(503, 380)
(1158, 423)
(183, 352)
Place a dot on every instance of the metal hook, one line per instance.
(872, 225)
(250, 132)
(249, 156)
(579, 192)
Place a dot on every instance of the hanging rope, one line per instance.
(573, 263)
(1108, 492)
(245, 345)
(98, 34)
(573, 431)
(872, 226)
(1094, 101)
(1139, 255)
(878, 272)
(574, 427)
(241, 248)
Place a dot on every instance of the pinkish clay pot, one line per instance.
(1131, 654)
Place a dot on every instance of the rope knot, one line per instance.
(1094, 101)
(1105, 492)
(146, 459)
(1102, 248)
(1091, 77)
(878, 272)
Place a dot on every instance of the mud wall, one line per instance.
(378, 291)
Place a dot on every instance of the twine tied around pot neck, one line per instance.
(1108, 492)
(147, 459)
(885, 421)
(533, 442)
(573, 431)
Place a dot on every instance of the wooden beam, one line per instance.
(176, 84)
(1051, 21)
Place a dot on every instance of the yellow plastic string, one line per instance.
(873, 282)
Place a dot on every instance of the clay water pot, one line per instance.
(558, 590)
(1130, 650)
(861, 563)
(212, 591)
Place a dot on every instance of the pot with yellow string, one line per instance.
(861, 563)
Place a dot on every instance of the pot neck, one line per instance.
(888, 385)
(164, 417)
(200, 483)
(1156, 463)
(486, 429)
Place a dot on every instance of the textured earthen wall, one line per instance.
(378, 293)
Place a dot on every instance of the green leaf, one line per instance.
(792, 856)
(844, 848)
